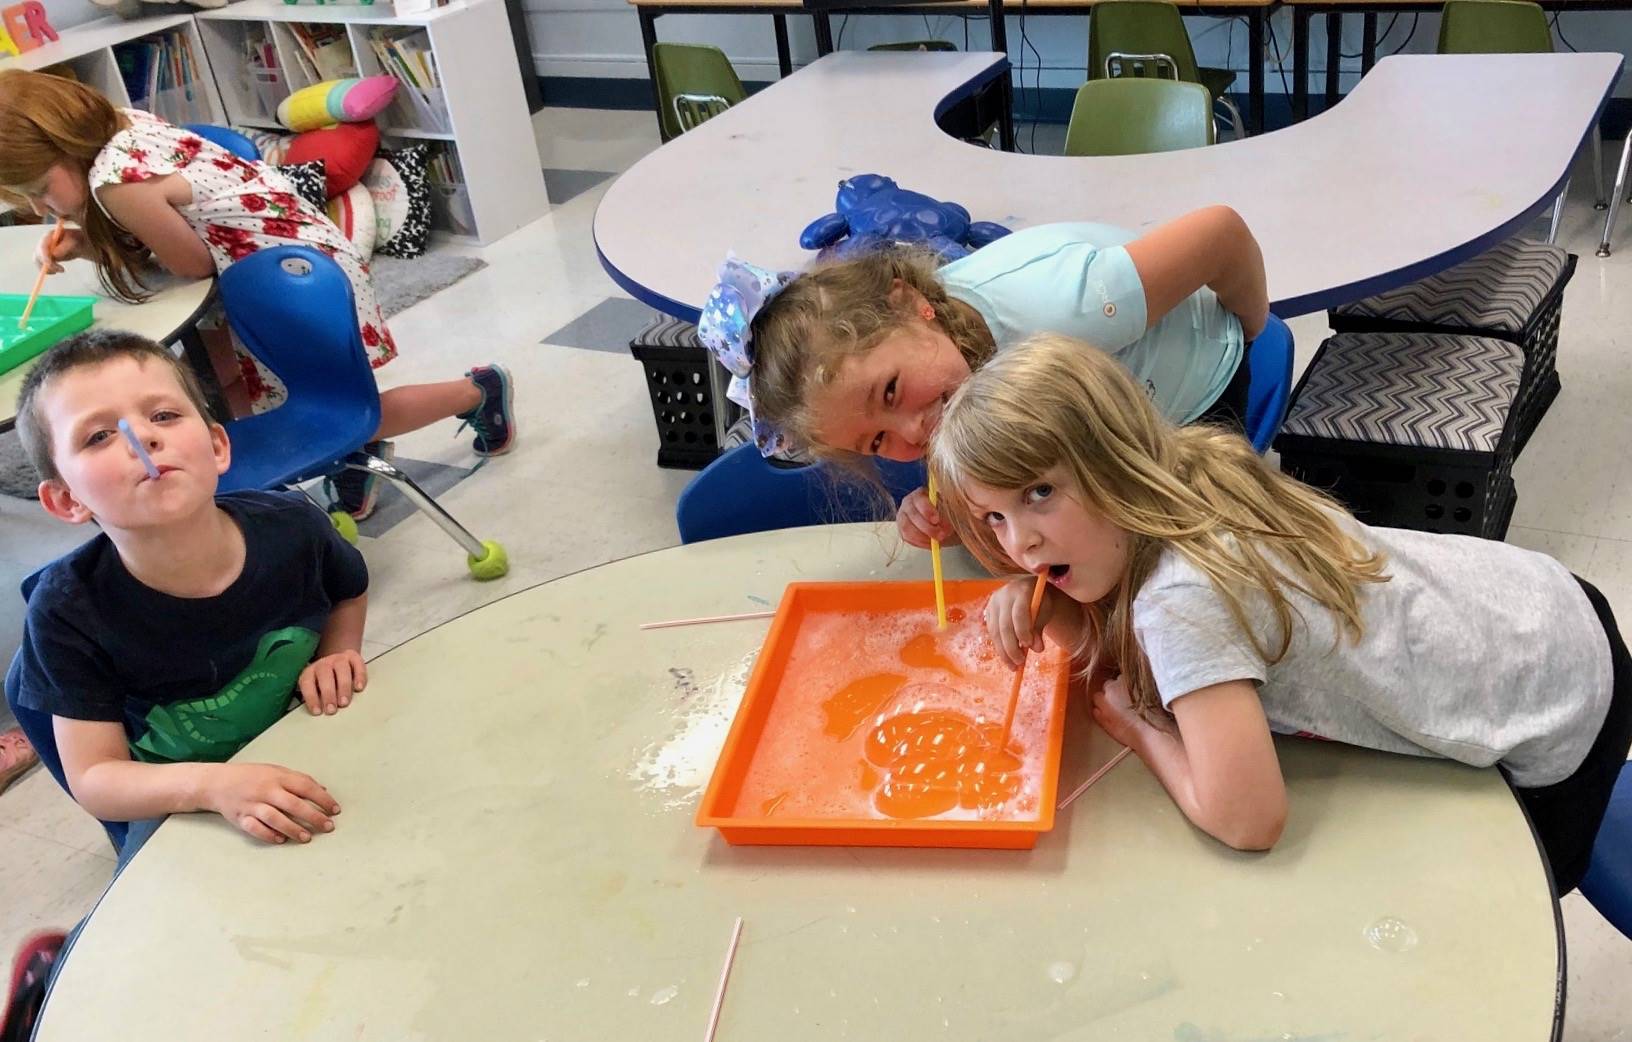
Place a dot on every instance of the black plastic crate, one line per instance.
(1513, 291)
(1403, 488)
(687, 388)
(1409, 430)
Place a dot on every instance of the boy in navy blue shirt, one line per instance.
(169, 641)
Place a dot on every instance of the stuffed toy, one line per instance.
(874, 211)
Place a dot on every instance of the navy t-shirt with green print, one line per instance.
(191, 679)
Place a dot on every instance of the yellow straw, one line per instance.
(935, 563)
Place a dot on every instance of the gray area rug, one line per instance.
(398, 283)
(16, 476)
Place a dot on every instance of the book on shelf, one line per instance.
(326, 49)
(162, 74)
(408, 58)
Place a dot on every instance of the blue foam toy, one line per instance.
(874, 211)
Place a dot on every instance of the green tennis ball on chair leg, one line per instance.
(493, 563)
(345, 524)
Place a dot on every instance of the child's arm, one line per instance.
(1221, 768)
(147, 209)
(338, 671)
(1210, 247)
(266, 801)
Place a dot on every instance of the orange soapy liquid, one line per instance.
(881, 714)
(936, 759)
(921, 652)
(858, 700)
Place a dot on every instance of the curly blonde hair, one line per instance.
(1054, 402)
(837, 310)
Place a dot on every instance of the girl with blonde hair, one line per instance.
(1226, 602)
(856, 357)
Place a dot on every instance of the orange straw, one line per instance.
(39, 283)
(1020, 674)
(935, 564)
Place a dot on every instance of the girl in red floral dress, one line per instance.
(164, 193)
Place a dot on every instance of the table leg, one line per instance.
(1255, 69)
(824, 33)
(648, 39)
(1334, 55)
(1300, 64)
(1368, 44)
(1000, 42)
(784, 57)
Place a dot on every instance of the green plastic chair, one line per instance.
(694, 83)
(915, 45)
(1131, 37)
(1494, 27)
(1512, 27)
(1128, 116)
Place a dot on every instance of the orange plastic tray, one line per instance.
(847, 669)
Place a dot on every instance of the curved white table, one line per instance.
(516, 859)
(1428, 161)
(171, 311)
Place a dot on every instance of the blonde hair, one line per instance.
(1053, 402)
(837, 310)
(46, 120)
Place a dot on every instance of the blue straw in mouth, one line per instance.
(141, 453)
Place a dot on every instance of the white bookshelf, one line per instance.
(90, 51)
(488, 128)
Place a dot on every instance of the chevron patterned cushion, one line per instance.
(1499, 289)
(664, 331)
(1429, 390)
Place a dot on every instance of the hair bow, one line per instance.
(726, 329)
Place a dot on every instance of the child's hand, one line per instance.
(919, 522)
(271, 803)
(1113, 711)
(327, 684)
(71, 247)
(1008, 618)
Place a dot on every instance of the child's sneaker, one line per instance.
(492, 420)
(357, 492)
(17, 757)
(30, 973)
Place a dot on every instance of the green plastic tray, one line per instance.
(53, 319)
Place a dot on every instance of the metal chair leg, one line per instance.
(1558, 212)
(475, 548)
(1598, 200)
(1615, 196)
(1235, 118)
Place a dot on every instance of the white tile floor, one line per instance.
(587, 451)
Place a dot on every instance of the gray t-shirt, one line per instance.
(1473, 650)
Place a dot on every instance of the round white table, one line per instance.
(171, 311)
(1430, 160)
(516, 859)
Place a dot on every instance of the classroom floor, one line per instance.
(582, 488)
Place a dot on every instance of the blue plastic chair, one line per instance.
(227, 138)
(1270, 391)
(742, 492)
(292, 308)
(43, 737)
(1608, 882)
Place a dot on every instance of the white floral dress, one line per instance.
(238, 208)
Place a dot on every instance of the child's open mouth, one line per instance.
(1057, 573)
